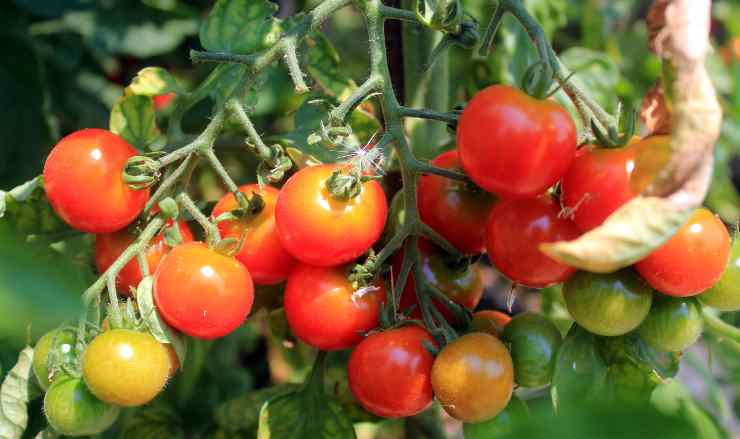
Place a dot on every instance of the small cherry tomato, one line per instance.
(390, 372)
(502, 425)
(201, 292)
(692, 260)
(63, 341)
(473, 377)
(534, 342)
(608, 304)
(674, 324)
(262, 252)
(513, 145)
(324, 311)
(516, 228)
(725, 294)
(72, 410)
(82, 179)
(126, 368)
(456, 210)
(109, 246)
(490, 321)
(320, 230)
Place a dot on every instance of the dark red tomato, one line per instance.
(82, 179)
(201, 292)
(514, 145)
(464, 285)
(456, 210)
(262, 252)
(390, 372)
(692, 260)
(320, 230)
(516, 228)
(324, 311)
(109, 246)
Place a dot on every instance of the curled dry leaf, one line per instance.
(654, 111)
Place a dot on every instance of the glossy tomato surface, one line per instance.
(126, 368)
(513, 145)
(390, 372)
(320, 230)
(490, 321)
(324, 311)
(109, 246)
(725, 294)
(60, 343)
(692, 260)
(473, 377)
(83, 182)
(201, 292)
(674, 324)
(72, 410)
(262, 252)
(456, 210)
(534, 342)
(516, 228)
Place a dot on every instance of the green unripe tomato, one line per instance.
(725, 294)
(72, 410)
(608, 304)
(674, 323)
(64, 343)
(534, 342)
(502, 425)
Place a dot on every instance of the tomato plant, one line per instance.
(72, 410)
(534, 342)
(60, 344)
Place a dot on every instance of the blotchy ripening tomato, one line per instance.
(390, 372)
(72, 410)
(516, 228)
(63, 343)
(513, 145)
(262, 252)
(321, 230)
(83, 182)
(201, 292)
(692, 260)
(324, 311)
(456, 210)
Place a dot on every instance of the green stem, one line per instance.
(371, 84)
(212, 234)
(390, 13)
(168, 183)
(315, 381)
(241, 115)
(724, 332)
(421, 113)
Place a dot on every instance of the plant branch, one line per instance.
(446, 117)
(724, 332)
(388, 12)
(212, 233)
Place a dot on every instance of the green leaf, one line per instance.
(242, 413)
(595, 72)
(154, 81)
(240, 26)
(672, 398)
(28, 210)
(301, 159)
(580, 370)
(302, 415)
(629, 234)
(160, 330)
(14, 397)
(323, 66)
(133, 118)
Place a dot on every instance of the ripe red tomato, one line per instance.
(262, 252)
(201, 292)
(516, 228)
(109, 246)
(82, 179)
(456, 210)
(324, 311)
(692, 260)
(321, 230)
(390, 372)
(514, 145)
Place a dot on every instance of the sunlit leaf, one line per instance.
(153, 81)
(14, 397)
(133, 118)
(240, 26)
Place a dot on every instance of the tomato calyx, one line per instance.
(345, 186)
(537, 79)
(611, 138)
(273, 168)
(141, 172)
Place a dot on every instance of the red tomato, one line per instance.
(692, 260)
(514, 145)
(323, 309)
(82, 179)
(162, 101)
(320, 230)
(201, 292)
(390, 372)
(516, 228)
(109, 246)
(262, 253)
(456, 210)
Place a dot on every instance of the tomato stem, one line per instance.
(724, 332)
(213, 236)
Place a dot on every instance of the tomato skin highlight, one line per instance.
(513, 145)
(725, 295)
(390, 372)
(321, 310)
(692, 260)
(83, 182)
(126, 368)
(63, 340)
(201, 292)
(109, 246)
(72, 410)
(320, 230)
(515, 230)
(455, 209)
(262, 252)
(464, 368)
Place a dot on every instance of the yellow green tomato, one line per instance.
(63, 342)
(725, 294)
(534, 342)
(72, 410)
